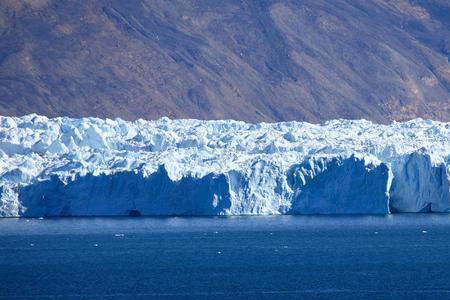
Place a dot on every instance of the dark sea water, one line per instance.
(280, 257)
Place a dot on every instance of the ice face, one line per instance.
(337, 185)
(90, 166)
(420, 185)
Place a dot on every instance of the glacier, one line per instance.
(100, 167)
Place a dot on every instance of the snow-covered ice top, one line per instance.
(267, 167)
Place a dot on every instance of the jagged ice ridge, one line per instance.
(90, 166)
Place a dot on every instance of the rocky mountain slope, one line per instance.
(260, 60)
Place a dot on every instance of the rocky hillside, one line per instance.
(259, 60)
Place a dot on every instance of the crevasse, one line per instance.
(90, 166)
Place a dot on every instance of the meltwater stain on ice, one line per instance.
(134, 213)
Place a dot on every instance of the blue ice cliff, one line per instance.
(90, 166)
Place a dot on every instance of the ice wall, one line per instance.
(127, 193)
(76, 167)
(339, 186)
(419, 185)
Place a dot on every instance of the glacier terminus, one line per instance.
(98, 167)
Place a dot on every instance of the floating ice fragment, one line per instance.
(119, 235)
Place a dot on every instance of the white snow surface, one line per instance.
(91, 166)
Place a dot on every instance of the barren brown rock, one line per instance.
(248, 60)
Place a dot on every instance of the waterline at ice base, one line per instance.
(103, 167)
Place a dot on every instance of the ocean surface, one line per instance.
(279, 257)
